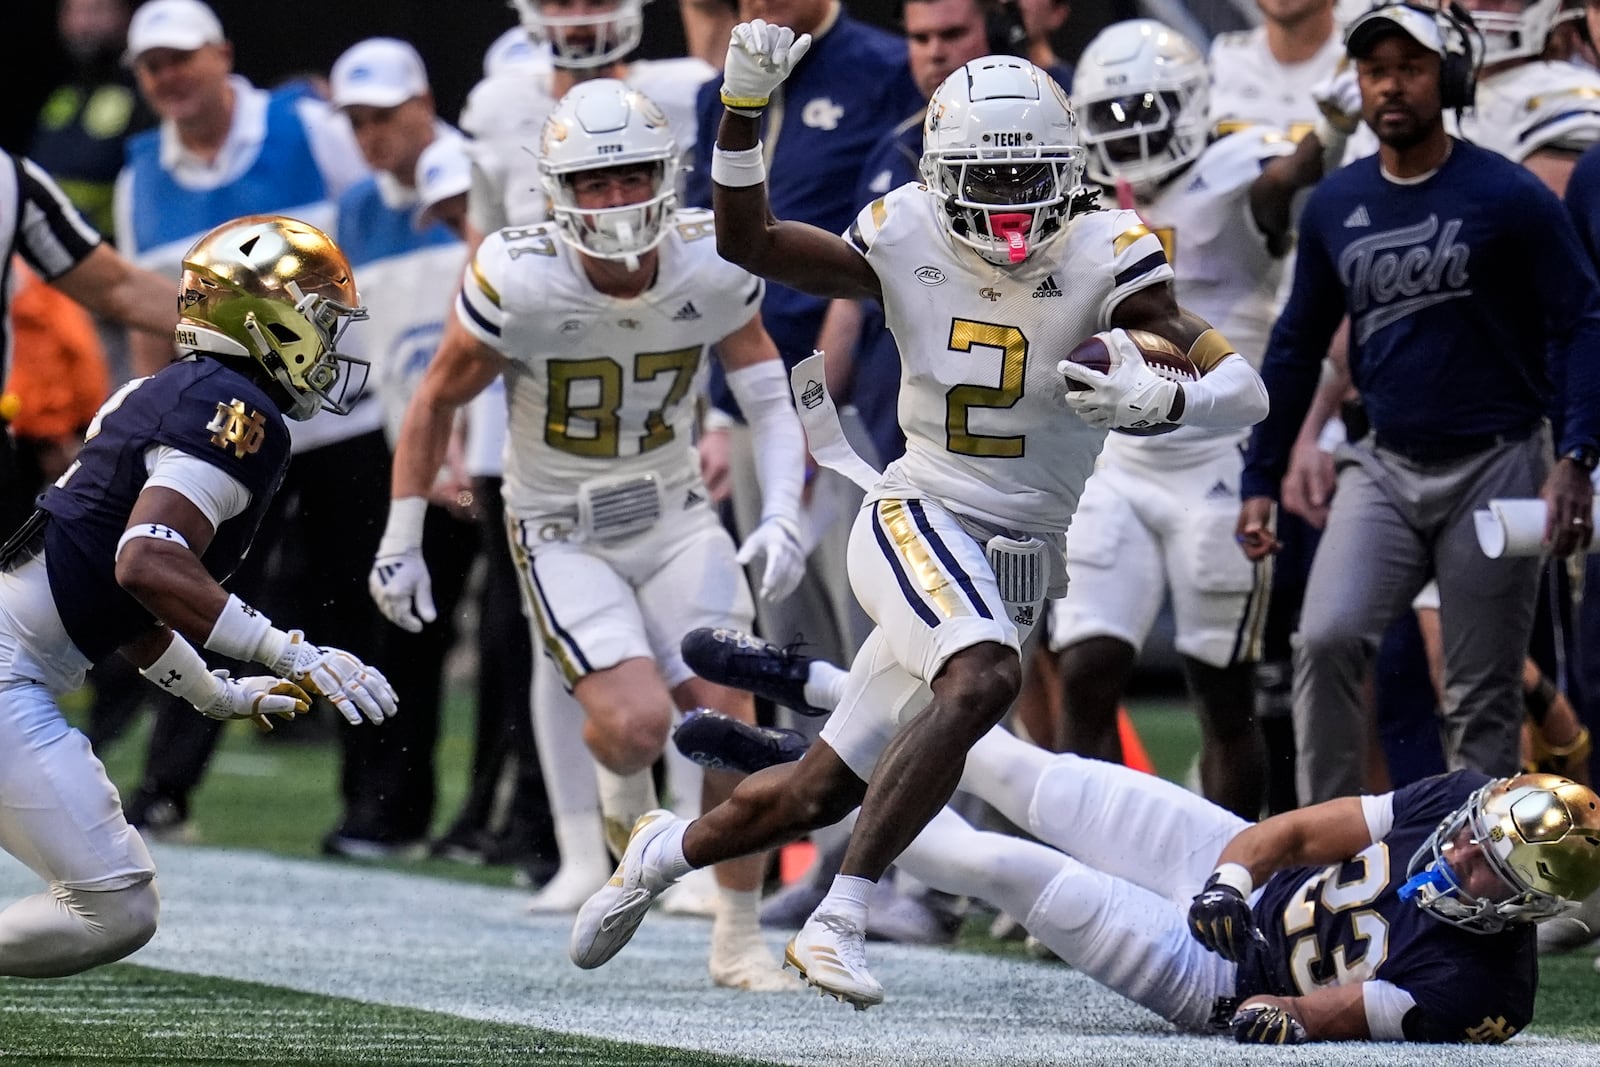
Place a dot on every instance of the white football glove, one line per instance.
(779, 541)
(1339, 99)
(760, 57)
(1131, 396)
(400, 585)
(354, 688)
(254, 697)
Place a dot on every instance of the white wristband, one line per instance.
(1236, 876)
(238, 631)
(180, 671)
(738, 169)
(404, 529)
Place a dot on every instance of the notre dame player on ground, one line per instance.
(126, 551)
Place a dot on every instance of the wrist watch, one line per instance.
(1585, 456)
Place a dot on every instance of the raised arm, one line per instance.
(795, 254)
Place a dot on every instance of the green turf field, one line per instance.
(279, 797)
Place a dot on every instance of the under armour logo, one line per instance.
(170, 679)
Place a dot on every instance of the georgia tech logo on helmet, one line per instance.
(555, 131)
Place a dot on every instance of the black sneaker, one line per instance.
(742, 661)
(723, 743)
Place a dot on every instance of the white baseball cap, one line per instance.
(378, 72)
(183, 25)
(1421, 26)
(443, 171)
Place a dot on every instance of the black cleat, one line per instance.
(722, 743)
(742, 661)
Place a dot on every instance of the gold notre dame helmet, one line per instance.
(280, 292)
(1539, 832)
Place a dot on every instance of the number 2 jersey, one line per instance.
(1337, 925)
(600, 386)
(988, 434)
(198, 406)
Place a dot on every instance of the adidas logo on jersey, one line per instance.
(687, 313)
(1358, 217)
(1220, 491)
(1047, 288)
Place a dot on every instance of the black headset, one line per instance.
(1458, 70)
(1003, 28)
(1463, 50)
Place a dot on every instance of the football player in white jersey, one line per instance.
(600, 322)
(1159, 513)
(964, 263)
(1539, 112)
(578, 40)
(1265, 75)
(505, 111)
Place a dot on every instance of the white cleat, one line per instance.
(830, 952)
(745, 962)
(607, 920)
(564, 894)
(694, 894)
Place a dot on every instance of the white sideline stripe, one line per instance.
(471, 951)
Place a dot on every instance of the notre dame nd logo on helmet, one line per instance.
(232, 428)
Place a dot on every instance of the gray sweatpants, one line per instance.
(1393, 525)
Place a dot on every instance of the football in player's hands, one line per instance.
(1162, 356)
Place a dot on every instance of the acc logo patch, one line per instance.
(232, 428)
(930, 275)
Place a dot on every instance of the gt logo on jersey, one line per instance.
(232, 428)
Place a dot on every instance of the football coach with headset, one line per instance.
(1474, 313)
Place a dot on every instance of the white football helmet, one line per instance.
(1001, 152)
(599, 125)
(1142, 91)
(1514, 34)
(581, 37)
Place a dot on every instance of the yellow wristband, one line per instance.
(744, 103)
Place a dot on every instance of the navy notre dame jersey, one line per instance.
(1346, 923)
(198, 406)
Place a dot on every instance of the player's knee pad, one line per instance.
(121, 920)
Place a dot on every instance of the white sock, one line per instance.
(623, 798)
(825, 684)
(848, 897)
(580, 835)
(665, 856)
(738, 911)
